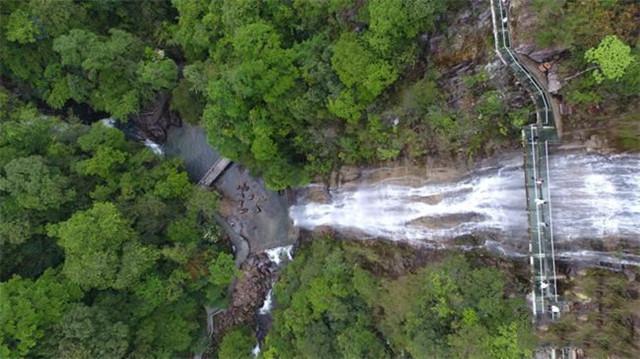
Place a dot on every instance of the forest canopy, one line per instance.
(331, 306)
(105, 246)
(108, 250)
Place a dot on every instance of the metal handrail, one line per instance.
(532, 80)
(553, 252)
(541, 227)
(535, 191)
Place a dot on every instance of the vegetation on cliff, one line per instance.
(108, 251)
(593, 32)
(105, 247)
(334, 301)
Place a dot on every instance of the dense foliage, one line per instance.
(94, 52)
(237, 344)
(292, 90)
(331, 306)
(594, 32)
(612, 56)
(605, 311)
(106, 249)
(289, 86)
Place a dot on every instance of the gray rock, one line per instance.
(539, 55)
(630, 274)
(542, 55)
(553, 80)
(525, 48)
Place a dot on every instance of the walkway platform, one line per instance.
(536, 139)
(545, 304)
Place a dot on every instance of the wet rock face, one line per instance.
(464, 42)
(254, 212)
(247, 294)
(156, 118)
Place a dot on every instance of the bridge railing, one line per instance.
(525, 78)
(536, 138)
(542, 249)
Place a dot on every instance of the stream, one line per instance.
(595, 199)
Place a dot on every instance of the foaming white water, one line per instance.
(277, 254)
(154, 147)
(268, 303)
(594, 197)
(109, 122)
(431, 211)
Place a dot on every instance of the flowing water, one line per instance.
(595, 199)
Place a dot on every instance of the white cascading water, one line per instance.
(594, 197)
(154, 147)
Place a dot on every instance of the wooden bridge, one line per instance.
(536, 138)
(214, 172)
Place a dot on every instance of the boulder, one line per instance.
(156, 118)
(545, 54)
(537, 54)
(553, 80)
(247, 295)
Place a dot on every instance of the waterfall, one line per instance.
(133, 132)
(595, 199)
(154, 147)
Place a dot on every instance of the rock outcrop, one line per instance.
(155, 119)
(247, 294)
(525, 25)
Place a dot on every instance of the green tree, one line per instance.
(116, 74)
(360, 342)
(222, 271)
(34, 185)
(89, 332)
(329, 305)
(459, 304)
(237, 344)
(320, 313)
(130, 229)
(26, 36)
(101, 249)
(359, 69)
(29, 309)
(612, 57)
(197, 27)
(246, 117)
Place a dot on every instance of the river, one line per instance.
(595, 200)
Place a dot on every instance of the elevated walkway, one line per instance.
(536, 139)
